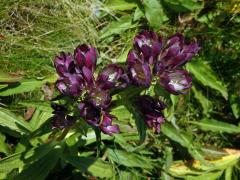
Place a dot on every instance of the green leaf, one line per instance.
(154, 13)
(138, 14)
(129, 159)
(205, 103)
(39, 170)
(204, 74)
(120, 5)
(123, 143)
(216, 126)
(205, 176)
(117, 27)
(40, 105)
(3, 145)
(7, 78)
(184, 5)
(95, 166)
(39, 152)
(9, 163)
(235, 105)
(11, 121)
(25, 86)
(122, 58)
(182, 138)
(39, 118)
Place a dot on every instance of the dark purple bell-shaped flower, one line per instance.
(139, 71)
(177, 53)
(100, 98)
(64, 63)
(151, 110)
(149, 45)
(176, 82)
(86, 56)
(60, 119)
(70, 84)
(106, 124)
(112, 76)
(90, 113)
(86, 60)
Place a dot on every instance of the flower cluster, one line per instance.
(151, 57)
(76, 79)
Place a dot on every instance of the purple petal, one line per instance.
(176, 82)
(110, 129)
(88, 75)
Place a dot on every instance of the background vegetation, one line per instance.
(200, 139)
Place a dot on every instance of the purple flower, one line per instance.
(90, 113)
(112, 76)
(100, 98)
(86, 56)
(154, 121)
(176, 52)
(106, 124)
(139, 71)
(149, 45)
(64, 63)
(60, 119)
(151, 110)
(176, 82)
(70, 84)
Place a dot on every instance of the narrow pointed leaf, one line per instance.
(205, 75)
(217, 126)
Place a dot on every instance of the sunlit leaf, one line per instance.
(235, 105)
(120, 5)
(117, 27)
(25, 86)
(205, 103)
(154, 13)
(204, 74)
(7, 78)
(41, 168)
(216, 126)
(129, 159)
(11, 121)
(3, 145)
(184, 5)
(94, 166)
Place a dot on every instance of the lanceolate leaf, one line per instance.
(41, 105)
(94, 166)
(217, 126)
(11, 121)
(7, 78)
(183, 5)
(154, 13)
(3, 145)
(39, 118)
(204, 74)
(11, 162)
(205, 103)
(117, 27)
(41, 168)
(235, 105)
(182, 138)
(120, 5)
(129, 159)
(25, 86)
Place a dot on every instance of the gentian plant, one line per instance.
(88, 96)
